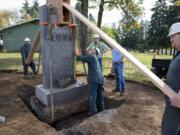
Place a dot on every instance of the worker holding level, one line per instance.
(100, 45)
(171, 118)
(95, 81)
(25, 50)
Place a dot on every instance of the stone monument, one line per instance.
(58, 63)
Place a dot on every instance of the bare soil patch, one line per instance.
(19, 119)
(139, 110)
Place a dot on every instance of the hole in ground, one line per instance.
(26, 92)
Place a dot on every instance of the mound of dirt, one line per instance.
(139, 112)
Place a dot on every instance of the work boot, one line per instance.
(26, 77)
(91, 113)
(35, 73)
(116, 90)
(122, 93)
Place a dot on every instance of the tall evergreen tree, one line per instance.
(142, 34)
(158, 28)
(34, 12)
(173, 15)
(25, 10)
(173, 12)
(29, 12)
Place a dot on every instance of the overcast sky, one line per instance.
(109, 17)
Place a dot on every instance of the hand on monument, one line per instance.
(76, 53)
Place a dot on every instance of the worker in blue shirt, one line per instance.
(118, 67)
(95, 81)
(25, 50)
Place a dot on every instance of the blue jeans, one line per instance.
(96, 97)
(100, 62)
(32, 65)
(118, 71)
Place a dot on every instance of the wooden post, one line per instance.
(77, 47)
(63, 15)
(34, 47)
(157, 81)
(59, 8)
(66, 13)
(74, 36)
(39, 62)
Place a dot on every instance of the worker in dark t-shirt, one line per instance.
(171, 118)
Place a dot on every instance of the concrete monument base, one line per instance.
(73, 92)
(60, 111)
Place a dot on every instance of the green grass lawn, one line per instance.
(12, 61)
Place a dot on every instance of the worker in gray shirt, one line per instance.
(171, 118)
(100, 45)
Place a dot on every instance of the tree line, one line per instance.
(132, 32)
(15, 16)
(163, 16)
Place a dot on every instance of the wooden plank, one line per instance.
(74, 36)
(66, 13)
(39, 62)
(151, 76)
(59, 8)
(77, 47)
(34, 47)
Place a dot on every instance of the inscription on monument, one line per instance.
(62, 37)
(62, 58)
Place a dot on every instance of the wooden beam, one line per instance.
(34, 47)
(158, 82)
(74, 36)
(77, 47)
(59, 9)
(66, 13)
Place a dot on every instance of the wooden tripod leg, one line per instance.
(39, 62)
(34, 47)
(77, 47)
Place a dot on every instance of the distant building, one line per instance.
(13, 36)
